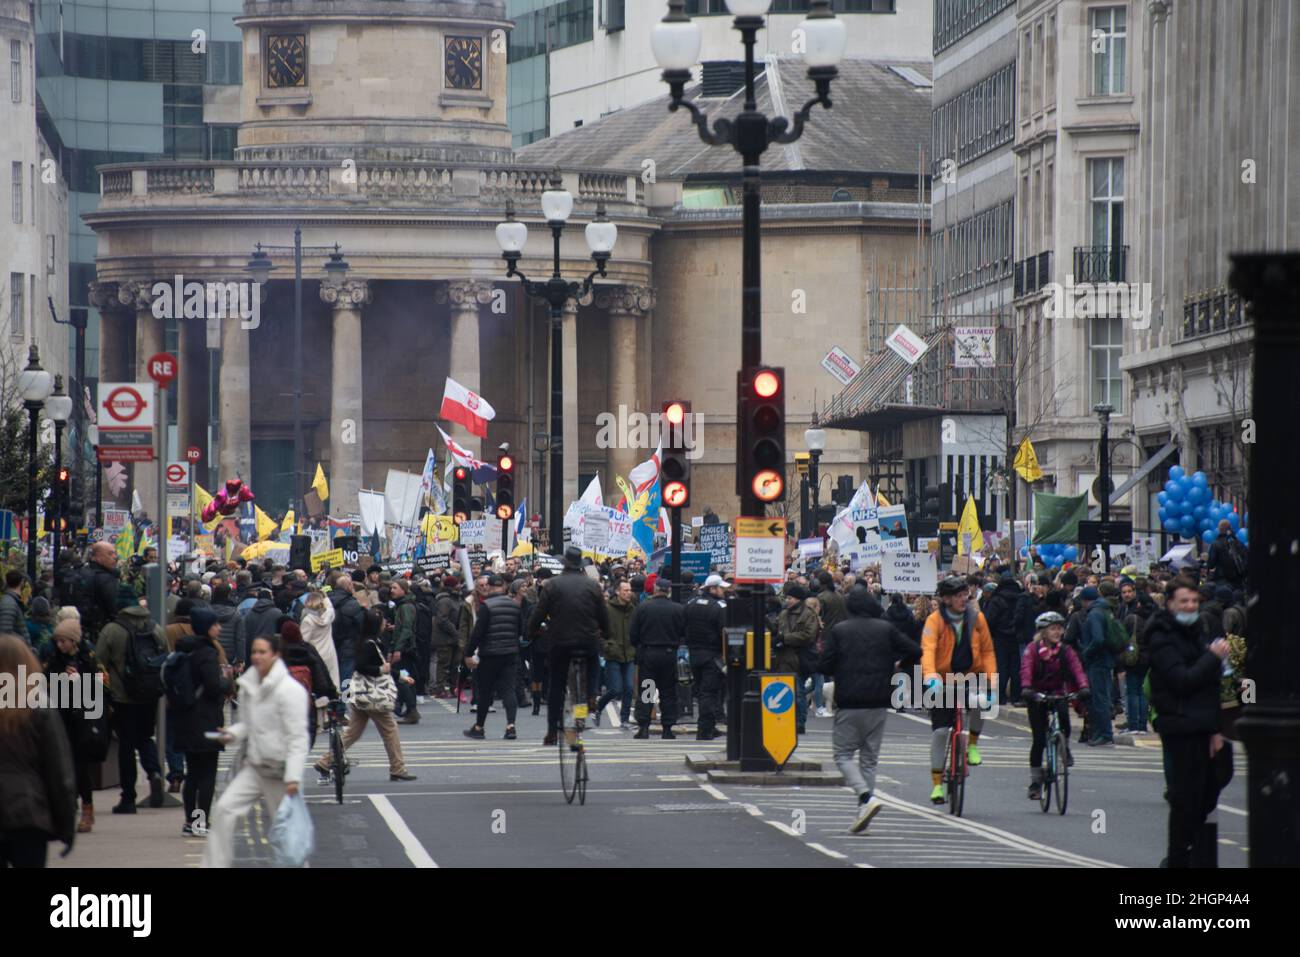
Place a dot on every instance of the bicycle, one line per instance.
(338, 763)
(1056, 764)
(955, 770)
(573, 753)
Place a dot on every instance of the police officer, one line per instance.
(705, 618)
(658, 627)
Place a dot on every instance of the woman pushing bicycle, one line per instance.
(1049, 668)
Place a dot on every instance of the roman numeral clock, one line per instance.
(286, 60)
(463, 63)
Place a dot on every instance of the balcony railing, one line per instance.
(1033, 274)
(1100, 264)
(1213, 310)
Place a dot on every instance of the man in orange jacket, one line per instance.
(955, 641)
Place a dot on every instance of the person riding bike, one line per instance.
(955, 645)
(1048, 668)
(573, 608)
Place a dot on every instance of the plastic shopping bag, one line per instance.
(293, 838)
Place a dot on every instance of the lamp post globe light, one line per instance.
(59, 408)
(601, 236)
(815, 440)
(35, 386)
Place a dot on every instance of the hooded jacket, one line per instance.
(1185, 676)
(1051, 671)
(206, 714)
(938, 640)
(860, 652)
(259, 620)
(349, 616)
(318, 631)
(273, 733)
(1000, 611)
(229, 619)
(618, 645)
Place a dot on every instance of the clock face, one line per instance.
(464, 63)
(286, 60)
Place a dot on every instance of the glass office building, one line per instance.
(121, 81)
(541, 27)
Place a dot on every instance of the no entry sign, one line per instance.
(126, 421)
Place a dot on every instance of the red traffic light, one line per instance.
(674, 413)
(63, 474)
(461, 473)
(768, 485)
(766, 384)
(460, 517)
(676, 495)
(505, 463)
(505, 511)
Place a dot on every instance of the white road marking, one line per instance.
(714, 792)
(784, 828)
(1234, 810)
(410, 843)
(827, 851)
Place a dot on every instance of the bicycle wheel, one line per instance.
(568, 766)
(1062, 773)
(957, 785)
(580, 774)
(1049, 776)
(338, 763)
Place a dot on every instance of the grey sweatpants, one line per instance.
(858, 730)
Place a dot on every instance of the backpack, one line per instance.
(1237, 555)
(423, 623)
(302, 675)
(178, 681)
(1116, 636)
(142, 666)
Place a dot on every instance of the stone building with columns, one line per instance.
(381, 126)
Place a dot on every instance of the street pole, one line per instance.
(556, 506)
(1270, 727)
(297, 498)
(804, 524)
(675, 551)
(57, 502)
(814, 479)
(1103, 459)
(33, 416)
(99, 489)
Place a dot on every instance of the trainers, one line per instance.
(642, 733)
(404, 776)
(865, 813)
(321, 769)
(824, 713)
(510, 734)
(1035, 792)
(475, 732)
(973, 756)
(936, 794)
(595, 716)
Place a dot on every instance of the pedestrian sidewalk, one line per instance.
(149, 838)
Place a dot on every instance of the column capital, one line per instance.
(350, 294)
(631, 300)
(103, 295)
(465, 293)
(135, 295)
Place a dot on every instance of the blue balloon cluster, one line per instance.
(1053, 556)
(1187, 508)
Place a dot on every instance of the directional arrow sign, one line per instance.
(760, 551)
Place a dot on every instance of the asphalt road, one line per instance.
(497, 803)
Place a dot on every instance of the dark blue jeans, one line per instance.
(1099, 718)
(175, 759)
(347, 665)
(1135, 702)
(618, 684)
(134, 724)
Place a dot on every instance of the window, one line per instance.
(16, 282)
(615, 15)
(1106, 179)
(1105, 346)
(1049, 205)
(1108, 41)
(31, 305)
(16, 192)
(1026, 67)
(16, 70)
(1037, 76)
(1049, 55)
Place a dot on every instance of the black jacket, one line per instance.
(860, 652)
(348, 618)
(1219, 562)
(230, 635)
(96, 598)
(301, 653)
(705, 618)
(901, 617)
(1000, 612)
(498, 628)
(259, 620)
(206, 714)
(37, 790)
(369, 656)
(657, 623)
(574, 609)
(1185, 676)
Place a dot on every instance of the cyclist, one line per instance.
(573, 608)
(1048, 667)
(955, 645)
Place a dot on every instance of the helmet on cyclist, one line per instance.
(1048, 618)
(952, 585)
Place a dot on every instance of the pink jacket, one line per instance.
(1051, 671)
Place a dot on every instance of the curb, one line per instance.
(1122, 738)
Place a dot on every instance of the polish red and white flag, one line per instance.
(466, 408)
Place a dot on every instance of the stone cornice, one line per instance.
(632, 300)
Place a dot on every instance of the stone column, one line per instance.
(346, 449)
(149, 340)
(235, 446)
(116, 332)
(465, 296)
(572, 446)
(625, 305)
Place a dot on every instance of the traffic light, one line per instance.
(762, 431)
(59, 497)
(505, 486)
(461, 486)
(676, 467)
(935, 501)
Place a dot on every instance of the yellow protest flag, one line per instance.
(1026, 463)
(881, 501)
(201, 500)
(969, 525)
(266, 527)
(122, 544)
(319, 485)
(287, 524)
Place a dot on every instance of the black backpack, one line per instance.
(1237, 555)
(142, 666)
(178, 681)
(423, 622)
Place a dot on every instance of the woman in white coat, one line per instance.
(272, 745)
(318, 631)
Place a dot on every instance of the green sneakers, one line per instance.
(973, 754)
(936, 796)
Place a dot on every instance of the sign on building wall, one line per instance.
(975, 347)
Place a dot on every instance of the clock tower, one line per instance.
(399, 80)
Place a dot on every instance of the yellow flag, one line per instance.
(881, 501)
(287, 524)
(201, 500)
(122, 544)
(265, 526)
(319, 485)
(969, 525)
(1026, 463)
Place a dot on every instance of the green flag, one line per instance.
(1057, 517)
